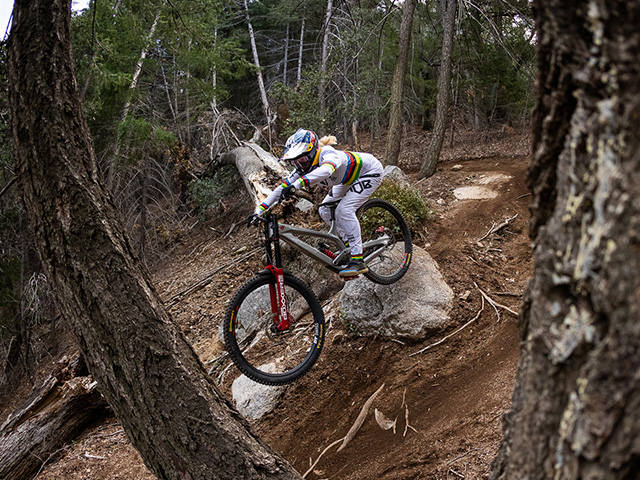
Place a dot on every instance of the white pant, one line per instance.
(351, 197)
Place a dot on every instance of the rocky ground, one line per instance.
(448, 400)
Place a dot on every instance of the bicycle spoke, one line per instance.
(386, 239)
(262, 351)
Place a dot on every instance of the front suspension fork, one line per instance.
(279, 310)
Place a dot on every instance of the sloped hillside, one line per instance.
(448, 400)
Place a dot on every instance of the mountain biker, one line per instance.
(352, 176)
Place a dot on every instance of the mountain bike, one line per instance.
(274, 326)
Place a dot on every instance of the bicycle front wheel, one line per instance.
(386, 241)
(259, 348)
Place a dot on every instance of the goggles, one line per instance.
(303, 163)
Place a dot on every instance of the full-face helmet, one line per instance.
(301, 149)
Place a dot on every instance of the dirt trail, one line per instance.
(456, 392)
(453, 394)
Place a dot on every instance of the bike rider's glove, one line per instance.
(253, 219)
(287, 192)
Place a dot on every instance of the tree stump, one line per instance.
(55, 414)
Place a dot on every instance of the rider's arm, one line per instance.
(274, 196)
(331, 161)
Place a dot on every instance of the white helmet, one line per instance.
(300, 150)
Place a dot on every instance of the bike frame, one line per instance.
(275, 231)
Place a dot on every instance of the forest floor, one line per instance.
(453, 395)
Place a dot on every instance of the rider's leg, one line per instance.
(325, 212)
(347, 221)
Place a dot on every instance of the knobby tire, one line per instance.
(250, 304)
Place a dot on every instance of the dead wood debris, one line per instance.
(407, 426)
(360, 420)
(178, 297)
(495, 228)
(352, 431)
(384, 422)
(484, 297)
(495, 304)
(451, 334)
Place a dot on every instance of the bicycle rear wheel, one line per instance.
(386, 241)
(257, 347)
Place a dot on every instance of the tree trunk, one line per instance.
(454, 107)
(325, 55)
(127, 103)
(256, 62)
(286, 57)
(144, 194)
(252, 162)
(299, 79)
(214, 74)
(394, 135)
(60, 409)
(443, 98)
(577, 395)
(150, 376)
(187, 101)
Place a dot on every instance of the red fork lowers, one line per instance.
(281, 318)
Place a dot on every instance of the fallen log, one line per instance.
(253, 163)
(55, 414)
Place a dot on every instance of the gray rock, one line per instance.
(411, 308)
(395, 173)
(322, 281)
(254, 400)
(304, 205)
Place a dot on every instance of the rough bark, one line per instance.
(61, 408)
(170, 409)
(443, 99)
(396, 124)
(577, 395)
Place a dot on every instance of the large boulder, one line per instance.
(411, 308)
(254, 400)
(392, 172)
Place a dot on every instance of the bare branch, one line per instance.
(495, 228)
(452, 334)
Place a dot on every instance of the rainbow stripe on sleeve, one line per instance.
(331, 164)
(353, 168)
(263, 206)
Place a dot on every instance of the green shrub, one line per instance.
(207, 193)
(406, 199)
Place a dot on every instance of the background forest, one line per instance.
(169, 86)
